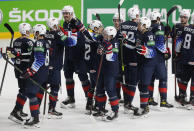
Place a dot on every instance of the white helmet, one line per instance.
(52, 22)
(145, 21)
(116, 17)
(133, 12)
(95, 23)
(193, 17)
(39, 28)
(1, 16)
(186, 13)
(23, 27)
(154, 15)
(110, 31)
(69, 9)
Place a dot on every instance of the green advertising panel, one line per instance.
(106, 8)
(33, 11)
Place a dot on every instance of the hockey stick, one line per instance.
(97, 78)
(45, 98)
(167, 23)
(98, 17)
(121, 45)
(5, 69)
(32, 80)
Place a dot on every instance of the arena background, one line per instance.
(38, 11)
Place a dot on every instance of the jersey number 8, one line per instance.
(187, 41)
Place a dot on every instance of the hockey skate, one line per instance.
(152, 102)
(111, 116)
(99, 113)
(69, 102)
(53, 114)
(141, 112)
(15, 117)
(33, 122)
(164, 103)
(182, 99)
(89, 106)
(22, 114)
(129, 108)
(192, 101)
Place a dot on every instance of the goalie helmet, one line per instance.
(154, 15)
(110, 31)
(40, 28)
(185, 13)
(52, 23)
(23, 28)
(116, 17)
(95, 24)
(145, 21)
(133, 12)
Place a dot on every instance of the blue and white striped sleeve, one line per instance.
(150, 53)
(39, 58)
(179, 41)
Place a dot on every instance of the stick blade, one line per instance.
(171, 10)
(9, 28)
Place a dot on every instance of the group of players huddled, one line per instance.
(127, 55)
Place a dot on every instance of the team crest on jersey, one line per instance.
(1, 16)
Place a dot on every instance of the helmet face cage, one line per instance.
(25, 29)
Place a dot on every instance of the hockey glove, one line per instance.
(167, 54)
(62, 33)
(29, 73)
(10, 53)
(141, 49)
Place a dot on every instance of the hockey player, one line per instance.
(108, 48)
(159, 31)
(129, 30)
(95, 29)
(177, 33)
(21, 56)
(119, 78)
(185, 52)
(153, 62)
(74, 55)
(53, 37)
(38, 71)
